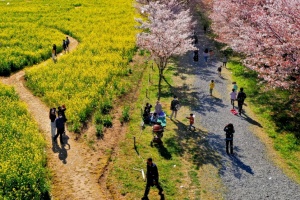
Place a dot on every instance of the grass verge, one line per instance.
(184, 159)
(275, 113)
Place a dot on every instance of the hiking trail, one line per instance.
(76, 167)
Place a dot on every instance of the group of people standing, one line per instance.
(58, 120)
(65, 46)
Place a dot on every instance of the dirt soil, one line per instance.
(80, 167)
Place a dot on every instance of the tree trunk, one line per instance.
(159, 82)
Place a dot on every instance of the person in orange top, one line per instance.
(192, 120)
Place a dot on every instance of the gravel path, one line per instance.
(249, 173)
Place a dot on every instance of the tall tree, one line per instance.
(166, 33)
(267, 32)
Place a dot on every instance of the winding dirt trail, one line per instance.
(79, 168)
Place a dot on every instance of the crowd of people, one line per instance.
(65, 47)
(58, 120)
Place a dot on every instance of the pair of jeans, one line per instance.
(173, 111)
(53, 128)
(229, 143)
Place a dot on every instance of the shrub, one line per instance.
(125, 114)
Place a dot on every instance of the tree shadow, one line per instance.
(193, 145)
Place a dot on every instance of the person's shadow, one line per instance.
(62, 151)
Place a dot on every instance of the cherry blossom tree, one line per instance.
(166, 32)
(267, 32)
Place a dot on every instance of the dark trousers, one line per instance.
(232, 103)
(229, 143)
(60, 132)
(240, 105)
(149, 184)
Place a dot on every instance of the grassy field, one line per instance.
(277, 114)
(188, 167)
(86, 80)
(22, 153)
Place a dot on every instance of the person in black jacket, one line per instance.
(241, 98)
(229, 129)
(146, 114)
(60, 126)
(174, 106)
(152, 179)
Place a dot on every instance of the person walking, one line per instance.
(206, 55)
(60, 126)
(235, 87)
(64, 45)
(232, 98)
(67, 43)
(152, 179)
(192, 121)
(52, 117)
(229, 130)
(54, 53)
(174, 106)
(225, 61)
(241, 98)
(211, 87)
(220, 70)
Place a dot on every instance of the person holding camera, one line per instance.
(152, 179)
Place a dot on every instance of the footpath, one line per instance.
(74, 168)
(249, 173)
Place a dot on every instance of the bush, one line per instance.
(107, 121)
(125, 114)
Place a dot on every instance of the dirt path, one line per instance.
(76, 166)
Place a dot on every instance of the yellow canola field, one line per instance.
(22, 156)
(96, 69)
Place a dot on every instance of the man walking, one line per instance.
(241, 98)
(60, 125)
(152, 179)
(229, 130)
(174, 106)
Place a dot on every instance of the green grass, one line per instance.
(178, 160)
(276, 113)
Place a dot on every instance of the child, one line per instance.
(233, 97)
(219, 70)
(235, 87)
(224, 61)
(211, 87)
(192, 119)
